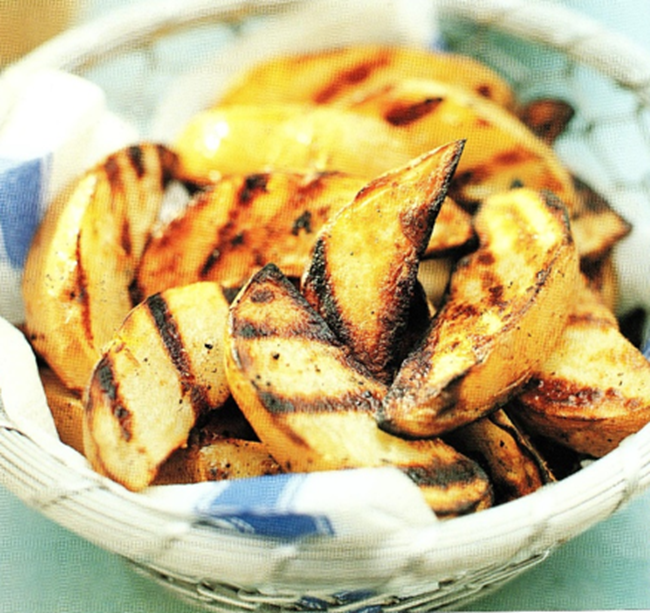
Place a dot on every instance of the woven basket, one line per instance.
(544, 50)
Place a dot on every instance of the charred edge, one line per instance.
(445, 171)
(395, 323)
(524, 444)
(253, 185)
(106, 379)
(352, 76)
(318, 284)
(361, 401)
(401, 115)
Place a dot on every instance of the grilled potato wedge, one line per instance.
(506, 308)
(602, 277)
(258, 138)
(365, 261)
(78, 274)
(242, 222)
(335, 75)
(593, 390)
(313, 404)
(597, 227)
(547, 118)
(67, 408)
(163, 370)
(515, 467)
(216, 460)
(500, 151)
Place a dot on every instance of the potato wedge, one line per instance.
(500, 152)
(597, 227)
(67, 408)
(593, 390)
(259, 138)
(241, 223)
(79, 270)
(335, 75)
(547, 118)
(514, 465)
(161, 372)
(313, 404)
(219, 459)
(602, 277)
(503, 316)
(365, 261)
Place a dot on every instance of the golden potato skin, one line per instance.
(592, 391)
(503, 316)
(313, 405)
(161, 372)
(79, 270)
(259, 138)
(365, 261)
(336, 75)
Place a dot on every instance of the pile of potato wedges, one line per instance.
(378, 260)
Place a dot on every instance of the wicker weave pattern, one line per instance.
(458, 560)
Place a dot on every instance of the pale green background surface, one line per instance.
(45, 568)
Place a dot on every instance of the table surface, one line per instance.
(43, 567)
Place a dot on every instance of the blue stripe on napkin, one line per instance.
(263, 506)
(22, 188)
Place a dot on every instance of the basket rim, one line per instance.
(624, 472)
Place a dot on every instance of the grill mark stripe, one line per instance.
(173, 342)
(169, 333)
(110, 388)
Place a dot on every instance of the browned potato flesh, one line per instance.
(313, 405)
(592, 391)
(504, 314)
(365, 262)
(163, 370)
